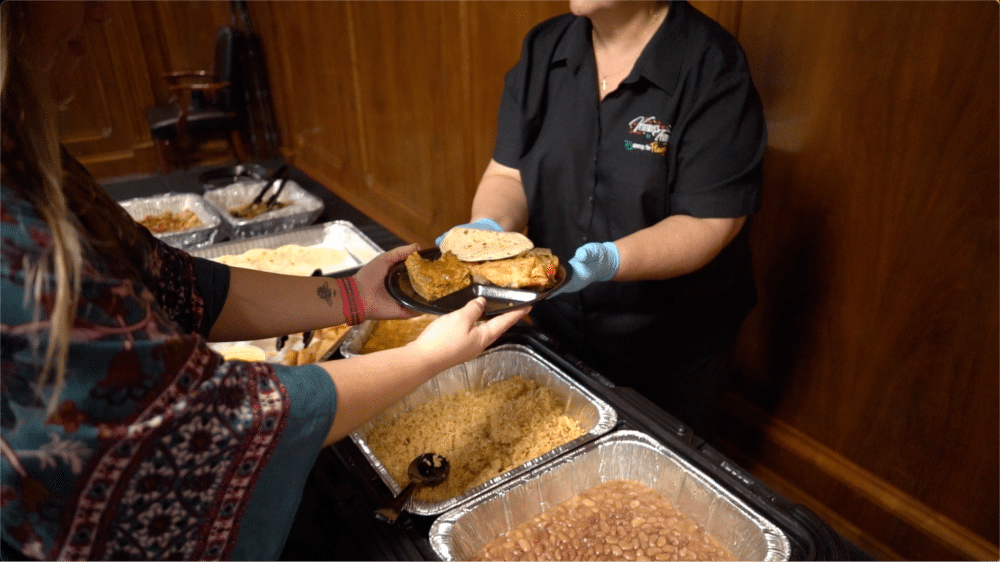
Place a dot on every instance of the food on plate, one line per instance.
(613, 521)
(395, 333)
(482, 433)
(485, 257)
(535, 268)
(169, 221)
(323, 341)
(476, 245)
(433, 279)
(288, 259)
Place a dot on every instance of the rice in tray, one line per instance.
(482, 433)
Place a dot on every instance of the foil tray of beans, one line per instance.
(182, 220)
(517, 512)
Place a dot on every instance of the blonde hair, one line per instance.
(30, 123)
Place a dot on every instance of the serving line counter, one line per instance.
(336, 521)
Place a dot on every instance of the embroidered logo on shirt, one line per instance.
(655, 135)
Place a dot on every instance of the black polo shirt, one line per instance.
(684, 133)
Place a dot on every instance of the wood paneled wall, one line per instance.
(869, 371)
(105, 127)
(394, 103)
(870, 368)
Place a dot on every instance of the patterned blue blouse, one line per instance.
(158, 448)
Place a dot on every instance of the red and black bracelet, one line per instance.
(354, 311)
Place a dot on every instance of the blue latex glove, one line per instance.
(482, 224)
(593, 262)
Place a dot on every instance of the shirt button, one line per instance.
(583, 238)
(591, 199)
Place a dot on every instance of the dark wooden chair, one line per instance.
(205, 104)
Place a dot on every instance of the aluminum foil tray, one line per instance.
(355, 339)
(268, 347)
(303, 208)
(211, 223)
(625, 454)
(594, 415)
(351, 346)
(342, 235)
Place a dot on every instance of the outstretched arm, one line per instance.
(369, 383)
(500, 197)
(263, 304)
(677, 245)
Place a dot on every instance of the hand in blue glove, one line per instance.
(593, 262)
(482, 224)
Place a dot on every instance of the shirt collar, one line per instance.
(660, 62)
(576, 47)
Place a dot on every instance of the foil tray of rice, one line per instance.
(178, 219)
(343, 245)
(493, 418)
(520, 519)
(297, 208)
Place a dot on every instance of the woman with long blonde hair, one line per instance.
(122, 434)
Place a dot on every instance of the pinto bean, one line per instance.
(619, 520)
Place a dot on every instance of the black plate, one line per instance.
(498, 299)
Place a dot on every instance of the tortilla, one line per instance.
(288, 259)
(478, 245)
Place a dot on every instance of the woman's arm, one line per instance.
(500, 196)
(263, 304)
(369, 383)
(677, 245)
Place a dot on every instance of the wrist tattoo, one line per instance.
(326, 293)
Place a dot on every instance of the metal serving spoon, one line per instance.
(426, 470)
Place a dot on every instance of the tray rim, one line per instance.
(779, 545)
(607, 421)
(295, 236)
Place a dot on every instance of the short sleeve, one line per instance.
(213, 283)
(278, 492)
(722, 145)
(507, 150)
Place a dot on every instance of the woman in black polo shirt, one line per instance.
(630, 142)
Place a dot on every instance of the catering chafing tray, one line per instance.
(496, 364)
(625, 454)
(207, 233)
(342, 235)
(302, 208)
(356, 337)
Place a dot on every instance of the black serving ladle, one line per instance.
(426, 470)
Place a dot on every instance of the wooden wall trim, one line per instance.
(779, 446)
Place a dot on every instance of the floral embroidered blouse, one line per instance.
(158, 448)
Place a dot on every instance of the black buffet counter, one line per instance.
(335, 520)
